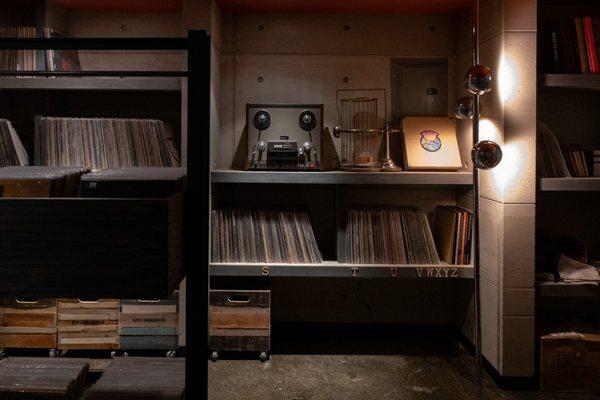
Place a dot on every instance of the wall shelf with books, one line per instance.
(129, 84)
(588, 184)
(334, 269)
(425, 178)
(562, 289)
(570, 81)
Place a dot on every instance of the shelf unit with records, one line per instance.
(568, 160)
(104, 84)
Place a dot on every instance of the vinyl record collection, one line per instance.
(132, 378)
(39, 181)
(99, 143)
(550, 159)
(389, 235)
(596, 169)
(30, 378)
(18, 60)
(240, 235)
(12, 151)
(452, 234)
(576, 160)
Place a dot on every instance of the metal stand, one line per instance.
(477, 288)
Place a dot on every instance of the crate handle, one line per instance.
(88, 301)
(238, 298)
(148, 301)
(27, 301)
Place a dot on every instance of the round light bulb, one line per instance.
(464, 108)
(486, 154)
(478, 79)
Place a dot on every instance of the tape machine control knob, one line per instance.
(261, 120)
(307, 120)
(261, 146)
(307, 146)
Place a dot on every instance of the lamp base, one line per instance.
(388, 165)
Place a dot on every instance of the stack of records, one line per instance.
(240, 235)
(576, 160)
(88, 324)
(12, 151)
(452, 234)
(99, 143)
(596, 168)
(38, 181)
(551, 162)
(389, 235)
(19, 60)
(143, 378)
(149, 324)
(149, 182)
(31, 378)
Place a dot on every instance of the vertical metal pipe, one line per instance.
(476, 266)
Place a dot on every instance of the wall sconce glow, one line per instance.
(508, 169)
(507, 80)
(488, 130)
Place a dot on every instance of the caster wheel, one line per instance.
(2, 354)
(62, 353)
(170, 353)
(263, 356)
(125, 354)
(52, 353)
(214, 356)
(113, 354)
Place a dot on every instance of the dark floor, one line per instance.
(347, 363)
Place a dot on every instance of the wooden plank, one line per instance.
(149, 309)
(26, 187)
(87, 334)
(239, 343)
(79, 316)
(148, 342)
(86, 248)
(28, 341)
(149, 320)
(87, 328)
(41, 305)
(239, 332)
(79, 304)
(148, 331)
(31, 320)
(22, 329)
(87, 323)
(240, 298)
(242, 318)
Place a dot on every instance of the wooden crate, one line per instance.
(28, 324)
(90, 248)
(88, 324)
(240, 320)
(149, 324)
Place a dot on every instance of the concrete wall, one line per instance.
(508, 46)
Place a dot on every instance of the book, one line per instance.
(590, 40)
(12, 151)
(581, 45)
(453, 234)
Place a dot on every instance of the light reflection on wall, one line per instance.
(508, 168)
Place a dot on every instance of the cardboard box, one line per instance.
(570, 362)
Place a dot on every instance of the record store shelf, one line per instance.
(132, 84)
(415, 178)
(333, 269)
(571, 81)
(588, 184)
(562, 289)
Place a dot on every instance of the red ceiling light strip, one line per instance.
(150, 6)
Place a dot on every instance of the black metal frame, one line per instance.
(196, 258)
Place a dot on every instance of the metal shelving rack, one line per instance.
(197, 45)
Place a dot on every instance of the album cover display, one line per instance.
(430, 144)
(389, 235)
(242, 235)
(452, 234)
(99, 143)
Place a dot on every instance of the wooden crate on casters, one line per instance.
(28, 325)
(88, 325)
(149, 325)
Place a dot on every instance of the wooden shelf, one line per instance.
(561, 289)
(571, 81)
(132, 84)
(590, 184)
(333, 269)
(344, 178)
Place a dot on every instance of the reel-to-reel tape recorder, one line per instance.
(284, 136)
